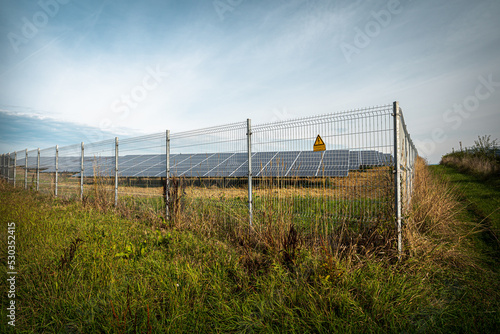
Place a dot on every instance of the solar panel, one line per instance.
(369, 158)
(306, 164)
(335, 163)
(354, 160)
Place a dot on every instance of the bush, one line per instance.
(483, 159)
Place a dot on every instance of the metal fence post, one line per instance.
(38, 170)
(26, 170)
(249, 145)
(8, 167)
(167, 174)
(57, 168)
(116, 172)
(397, 174)
(15, 167)
(82, 172)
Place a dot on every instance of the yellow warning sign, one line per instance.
(319, 144)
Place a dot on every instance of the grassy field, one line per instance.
(83, 268)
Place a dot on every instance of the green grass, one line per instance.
(137, 276)
(481, 200)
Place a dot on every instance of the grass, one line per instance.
(481, 201)
(86, 269)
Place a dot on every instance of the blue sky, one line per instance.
(73, 71)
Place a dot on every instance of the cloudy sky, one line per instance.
(73, 71)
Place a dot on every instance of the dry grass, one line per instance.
(371, 184)
(470, 163)
(433, 230)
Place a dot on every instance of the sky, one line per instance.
(75, 70)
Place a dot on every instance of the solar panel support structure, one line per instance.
(116, 172)
(249, 145)
(26, 170)
(397, 174)
(167, 174)
(57, 169)
(38, 170)
(81, 171)
(15, 167)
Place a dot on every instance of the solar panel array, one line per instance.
(334, 163)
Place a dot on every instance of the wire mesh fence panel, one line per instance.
(47, 170)
(206, 182)
(68, 171)
(2, 166)
(10, 168)
(32, 169)
(407, 159)
(323, 172)
(141, 171)
(99, 166)
(20, 163)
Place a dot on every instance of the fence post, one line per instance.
(15, 167)
(57, 168)
(249, 145)
(167, 174)
(116, 172)
(26, 170)
(38, 170)
(397, 174)
(81, 172)
(8, 167)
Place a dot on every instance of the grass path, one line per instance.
(481, 199)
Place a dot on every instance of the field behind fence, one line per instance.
(320, 174)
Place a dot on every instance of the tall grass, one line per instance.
(482, 159)
(433, 230)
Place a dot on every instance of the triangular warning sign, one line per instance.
(319, 144)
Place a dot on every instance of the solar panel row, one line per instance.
(287, 164)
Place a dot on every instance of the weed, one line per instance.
(69, 254)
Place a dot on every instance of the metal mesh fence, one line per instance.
(69, 165)
(141, 172)
(347, 181)
(46, 170)
(354, 169)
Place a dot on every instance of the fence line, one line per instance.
(355, 167)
